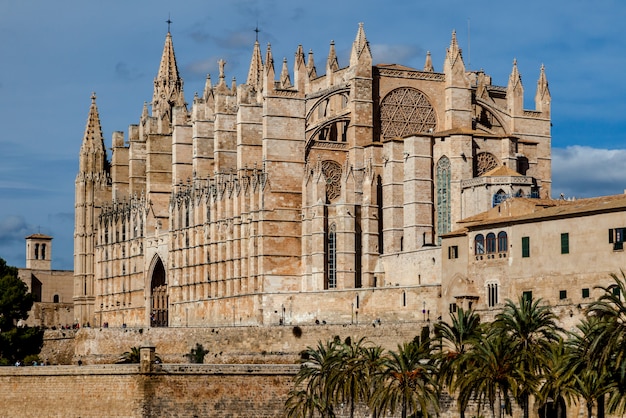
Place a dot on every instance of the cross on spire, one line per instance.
(169, 23)
(257, 30)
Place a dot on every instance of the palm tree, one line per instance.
(607, 342)
(531, 330)
(372, 364)
(490, 375)
(132, 356)
(408, 381)
(456, 339)
(611, 308)
(301, 404)
(349, 381)
(311, 390)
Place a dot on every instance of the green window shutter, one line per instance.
(525, 247)
(585, 292)
(565, 243)
(562, 294)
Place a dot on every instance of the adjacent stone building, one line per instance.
(298, 197)
(52, 289)
(558, 251)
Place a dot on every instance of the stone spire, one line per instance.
(454, 53)
(285, 81)
(207, 87)
(515, 92)
(515, 79)
(360, 47)
(457, 91)
(300, 72)
(255, 73)
(310, 65)
(92, 151)
(144, 111)
(168, 85)
(270, 75)
(428, 65)
(542, 96)
(332, 64)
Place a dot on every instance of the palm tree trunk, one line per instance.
(403, 407)
(600, 413)
(589, 409)
(493, 410)
(525, 405)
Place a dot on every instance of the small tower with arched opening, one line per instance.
(38, 252)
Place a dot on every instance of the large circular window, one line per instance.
(406, 111)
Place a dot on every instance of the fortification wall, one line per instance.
(122, 391)
(250, 345)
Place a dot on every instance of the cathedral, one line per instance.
(300, 196)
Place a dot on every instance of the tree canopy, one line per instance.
(16, 343)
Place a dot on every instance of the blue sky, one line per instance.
(54, 54)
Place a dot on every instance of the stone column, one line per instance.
(146, 357)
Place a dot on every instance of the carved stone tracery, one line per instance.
(405, 111)
(485, 161)
(332, 173)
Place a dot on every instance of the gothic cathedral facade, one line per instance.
(297, 197)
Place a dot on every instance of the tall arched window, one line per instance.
(491, 243)
(479, 244)
(502, 242)
(331, 252)
(36, 251)
(159, 299)
(443, 196)
(43, 251)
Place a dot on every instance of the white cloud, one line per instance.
(582, 171)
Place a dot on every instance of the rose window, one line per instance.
(406, 111)
(485, 162)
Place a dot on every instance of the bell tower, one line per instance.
(38, 252)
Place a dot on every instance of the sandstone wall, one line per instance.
(276, 344)
(122, 391)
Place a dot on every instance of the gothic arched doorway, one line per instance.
(158, 297)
